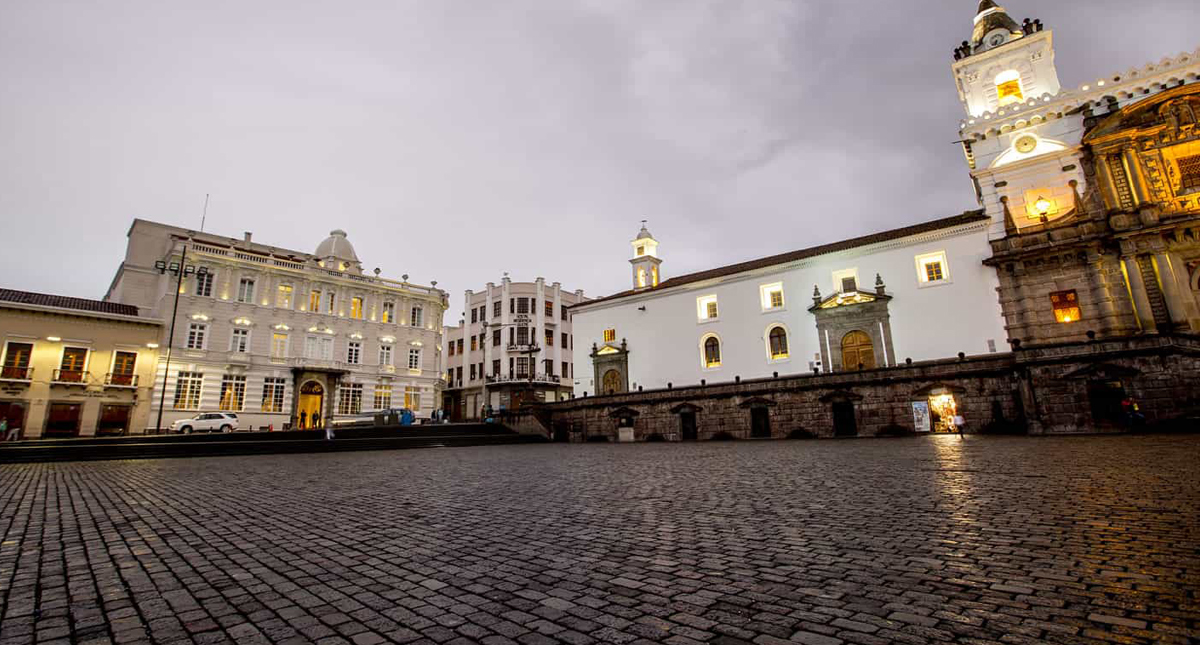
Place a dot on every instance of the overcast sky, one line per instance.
(458, 139)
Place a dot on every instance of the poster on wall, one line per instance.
(921, 416)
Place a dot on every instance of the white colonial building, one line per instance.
(918, 292)
(513, 343)
(281, 337)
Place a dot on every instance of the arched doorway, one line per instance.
(311, 405)
(857, 350)
(612, 382)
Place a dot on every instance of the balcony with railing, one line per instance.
(523, 348)
(16, 374)
(522, 379)
(117, 379)
(321, 364)
(69, 377)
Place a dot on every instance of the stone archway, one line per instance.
(311, 401)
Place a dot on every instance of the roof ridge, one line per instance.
(66, 302)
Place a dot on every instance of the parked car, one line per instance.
(207, 422)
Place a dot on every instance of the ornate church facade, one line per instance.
(1071, 293)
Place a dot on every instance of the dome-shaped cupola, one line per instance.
(336, 252)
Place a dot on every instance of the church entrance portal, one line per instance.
(857, 350)
(312, 400)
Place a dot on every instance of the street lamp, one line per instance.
(179, 269)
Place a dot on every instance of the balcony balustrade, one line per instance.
(16, 373)
(522, 378)
(114, 379)
(70, 377)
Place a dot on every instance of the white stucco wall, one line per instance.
(927, 322)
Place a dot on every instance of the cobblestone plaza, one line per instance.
(932, 539)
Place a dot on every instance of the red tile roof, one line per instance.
(967, 217)
(64, 302)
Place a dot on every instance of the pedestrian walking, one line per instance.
(328, 432)
(958, 424)
(10, 434)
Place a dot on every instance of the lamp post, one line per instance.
(179, 269)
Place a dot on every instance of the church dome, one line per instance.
(337, 246)
(644, 234)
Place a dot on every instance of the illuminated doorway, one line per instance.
(311, 405)
(942, 409)
(857, 351)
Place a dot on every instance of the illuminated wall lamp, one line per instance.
(1042, 206)
(53, 339)
(152, 345)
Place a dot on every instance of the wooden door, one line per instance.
(857, 350)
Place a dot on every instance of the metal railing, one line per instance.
(69, 376)
(321, 363)
(116, 379)
(16, 373)
(524, 378)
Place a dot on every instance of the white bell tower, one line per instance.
(645, 260)
(1004, 63)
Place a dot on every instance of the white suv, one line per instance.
(207, 422)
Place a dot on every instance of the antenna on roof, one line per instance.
(204, 215)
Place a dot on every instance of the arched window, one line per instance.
(777, 340)
(712, 352)
(1008, 87)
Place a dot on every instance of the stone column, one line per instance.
(1137, 291)
(1136, 185)
(1172, 273)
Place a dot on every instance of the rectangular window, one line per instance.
(523, 305)
(496, 309)
(565, 369)
(16, 361)
(451, 348)
(354, 352)
(458, 375)
(272, 398)
(73, 361)
(474, 315)
(385, 354)
(279, 345)
(1189, 173)
(849, 283)
(563, 311)
(350, 398)
(548, 365)
(330, 303)
(495, 338)
(1066, 306)
(197, 332)
(549, 308)
(414, 359)
(283, 296)
(239, 341)
(932, 269)
(474, 343)
(840, 282)
(496, 367)
(314, 301)
(356, 308)
(389, 312)
(610, 335)
(771, 296)
(522, 367)
(549, 338)
(706, 308)
(383, 396)
(417, 317)
(123, 366)
(187, 390)
(412, 398)
(472, 371)
(482, 312)
(246, 290)
(319, 347)
(512, 305)
(204, 283)
(233, 392)
(522, 335)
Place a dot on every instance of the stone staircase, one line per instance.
(259, 443)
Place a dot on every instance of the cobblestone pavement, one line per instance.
(931, 539)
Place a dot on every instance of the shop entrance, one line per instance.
(942, 408)
(62, 420)
(114, 420)
(14, 413)
(310, 406)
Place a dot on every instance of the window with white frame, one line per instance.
(356, 308)
(246, 290)
(197, 334)
(932, 269)
(283, 296)
(272, 398)
(385, 354)
(187, 390)
(777, 343)
(383, 396)
(279, 345)
(239, 341)
(389, 312)
(771, 296)
(710, 351)
(319, 347)
(414, 358)
(706, 308)
(417, 316)
(845, 281)
(412, 398)
(204, 282)
(350, 398)
(354, 352)
(233, 392)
